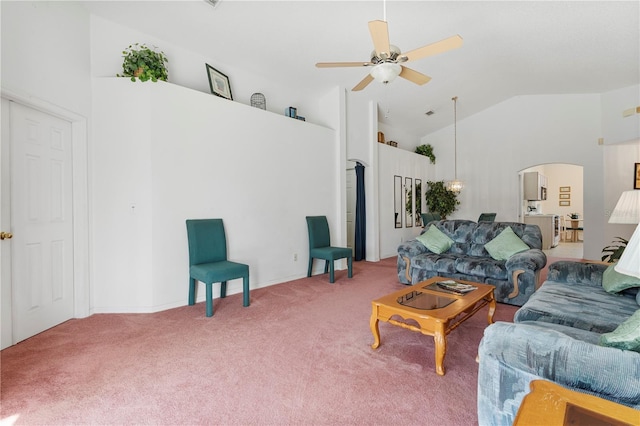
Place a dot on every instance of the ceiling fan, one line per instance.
(386, 58)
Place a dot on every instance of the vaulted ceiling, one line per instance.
(510, 48)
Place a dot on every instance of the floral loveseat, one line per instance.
(515, 278)
(573, 331)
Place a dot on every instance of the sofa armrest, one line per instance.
(407, 251)
(411, 248)
(572, 272)
(529, 260)
(512, 355)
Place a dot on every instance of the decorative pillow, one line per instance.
(626, 336)
(613, 281)
(505, 245)
(435, 240)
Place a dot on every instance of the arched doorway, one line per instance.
(563, 196)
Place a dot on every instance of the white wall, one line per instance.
(397, 162)
(405, 140)
(187, 69)
(45, 52)
(617, 128)
(163, 154)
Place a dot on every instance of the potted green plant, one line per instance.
(613, 252)
(439, 199)
(426, 150)
(144, 63)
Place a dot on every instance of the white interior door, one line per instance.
(41, 221)
(351, 208)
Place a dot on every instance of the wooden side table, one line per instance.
(551, 404)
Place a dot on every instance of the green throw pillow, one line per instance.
(505, 245)
(435, 240)
(626, 336)
(613, 281)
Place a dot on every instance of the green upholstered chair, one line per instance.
(208, 261)
(487, 217)
(429, 217)
(320, 247)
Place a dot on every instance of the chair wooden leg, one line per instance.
(209, 299)
(326, 266)
(245, 291)
(310, 266)
(331, 272)
(223, 289)
(192, 291)
(350, 266)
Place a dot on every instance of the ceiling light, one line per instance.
(455, 185)
(386, 72)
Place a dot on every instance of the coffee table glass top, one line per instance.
(426, 301)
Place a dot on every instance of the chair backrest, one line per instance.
(207, 241)
(428, 217)
(318, 231)
(487, 217)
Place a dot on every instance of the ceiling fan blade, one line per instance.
(434, 48)
(341, 64)
(414, 76)
(380, 35)
(364, 83)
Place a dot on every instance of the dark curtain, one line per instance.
(361, 216)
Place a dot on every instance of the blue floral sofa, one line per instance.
(558, 336)
(515, 279)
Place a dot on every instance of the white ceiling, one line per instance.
(510, 48)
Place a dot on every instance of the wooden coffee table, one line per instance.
(437, 312)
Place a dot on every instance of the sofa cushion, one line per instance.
(575, 305)
(626, 336)
(481, 267)
(435, 240)
(444, 263)
(505, 245)
(614, 282)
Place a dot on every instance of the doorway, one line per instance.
(564, 192)
(44, 278)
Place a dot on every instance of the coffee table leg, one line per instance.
(492, 309)
(440, 340)
(373, 323)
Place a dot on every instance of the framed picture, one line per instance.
(219, 83)
(565, 196)
(636, 174)
(565, 189)
(565, 203)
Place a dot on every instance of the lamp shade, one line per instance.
(386, 72)
(629, 263)
(628, 208)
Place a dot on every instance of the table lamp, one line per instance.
(627, 210)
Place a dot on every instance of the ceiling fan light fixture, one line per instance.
(386, 72)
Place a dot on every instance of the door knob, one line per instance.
(5, 235)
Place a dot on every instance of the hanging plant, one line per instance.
(144, 63)
(439, 199)
(426, 150)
